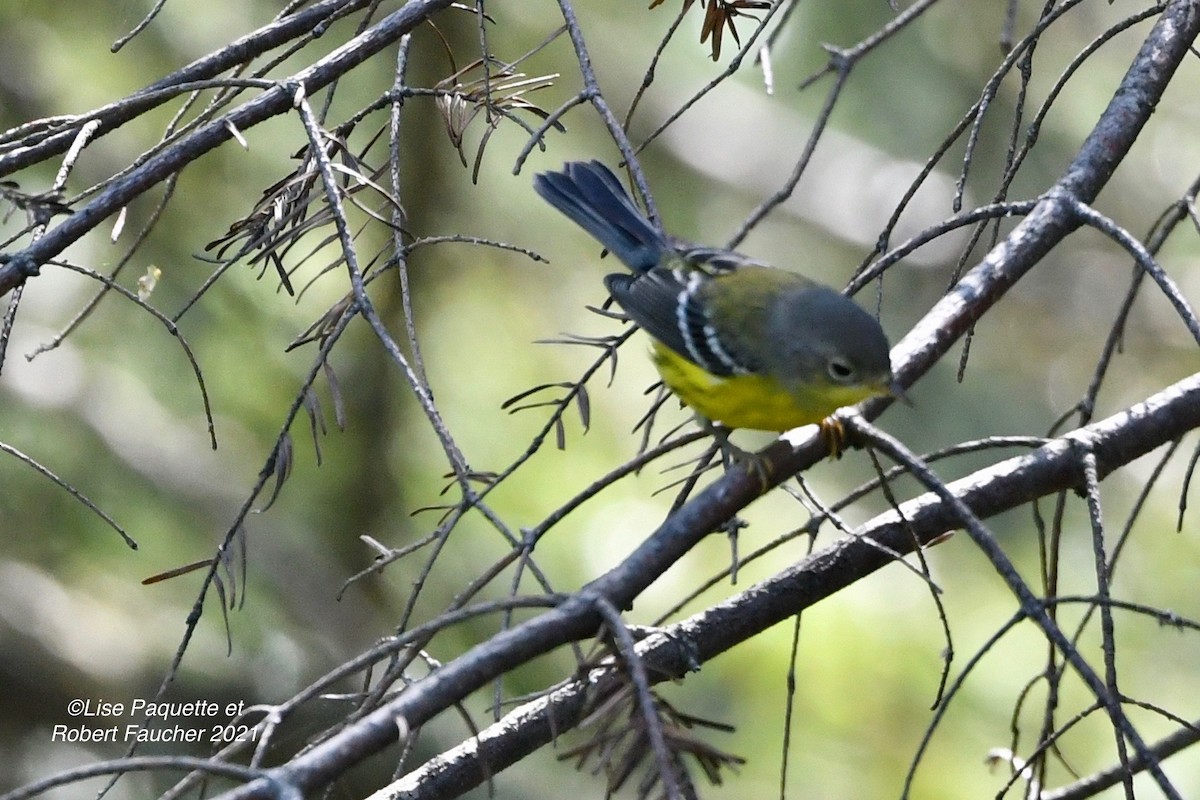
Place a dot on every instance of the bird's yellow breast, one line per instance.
(753, 400)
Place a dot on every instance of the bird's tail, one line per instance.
(592, 196)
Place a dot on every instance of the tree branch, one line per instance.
(16, 267)
(1050, 469)
(683, 647)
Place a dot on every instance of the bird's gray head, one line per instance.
(821, 335)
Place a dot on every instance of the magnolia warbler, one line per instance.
(743, 344)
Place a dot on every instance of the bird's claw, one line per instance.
(833, 433)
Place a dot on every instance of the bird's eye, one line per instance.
(840, 369)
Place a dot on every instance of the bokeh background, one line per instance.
(115, 411)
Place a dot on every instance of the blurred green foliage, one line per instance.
(116, 412)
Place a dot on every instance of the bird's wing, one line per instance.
(670, 305)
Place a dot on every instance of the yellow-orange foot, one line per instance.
(834, 434)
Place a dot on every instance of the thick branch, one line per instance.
(25, 263)
(1170, 414)
(1043, 229)
(42, 145)
(682, 647)
(1051, 221)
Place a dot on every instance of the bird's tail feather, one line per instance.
(591, 196)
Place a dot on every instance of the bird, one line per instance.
(743, 344)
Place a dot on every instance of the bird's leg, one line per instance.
(757, 465)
